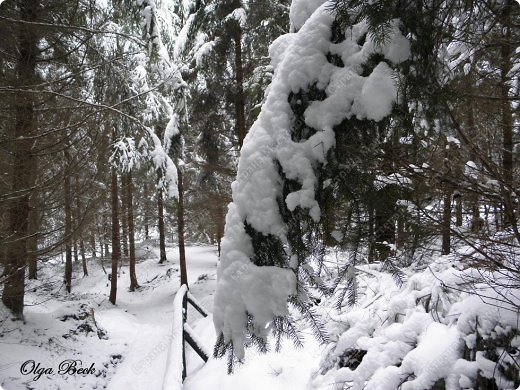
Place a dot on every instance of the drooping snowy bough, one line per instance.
(321, 79)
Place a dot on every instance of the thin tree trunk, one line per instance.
(239, 81)
(76, 216)
(105, 236)
(507, 115)
(475, 207)
(124, 222)
(93, 245)
(79, 232)
(75, 251)
(68, 222)
(116, 245)
(497, 218)
(24, 175)
(83, 257)
(180, 230)
(162, 236)
(446, 223)
(220, 227)
(371, 234)
(131, 229)
(476, 222)
(458, 209)
(101, 250)
(146, 194)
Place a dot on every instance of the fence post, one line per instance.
(182, 333)
(184, 320)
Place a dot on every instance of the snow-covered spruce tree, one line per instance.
(143, 88)
(160, 26)
(52, 42)
(325, 75)
(449, 41)
(207, 46)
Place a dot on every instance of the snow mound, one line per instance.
(301, 10)
(425, 334)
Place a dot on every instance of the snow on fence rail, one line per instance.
(181, 332)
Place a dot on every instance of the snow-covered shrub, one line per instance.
(428, 334)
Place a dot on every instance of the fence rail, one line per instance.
(182, 333)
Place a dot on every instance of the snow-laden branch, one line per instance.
(244, 289)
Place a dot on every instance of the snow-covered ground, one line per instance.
(129, 342)
(418, 333)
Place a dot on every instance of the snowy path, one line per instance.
(148, 323)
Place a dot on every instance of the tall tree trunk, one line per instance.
(101, 250)
(180, 229)
(68, 222)
(116, 245)
(93, 245)
(131, 229)
(124, 222)
(146, 194)
(75, 251)
(83, 257)
(474, 197)
(105, 236)
(371, 233)
(220, 226)
(79, 233)
(446, 223)
(24, 175)
(507, 115)
(239, 81)
(162, 236)
(32, 241)
(458, 209)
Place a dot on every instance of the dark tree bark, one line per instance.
(180, 229)
(131, 229)
(146, 194)
(79, 233)
(93, 245)
(507, 115)
(162, 236)
(446, 223)
(101, 251)
(32, 240)
(371, 233)
(105, 236)
(474, 197)
(458, 209)
(68, 222)
(23, 161)
(220, 226)
(124, 222)
(83, 257)
(116, 245)
(75, 251)
(239, 81)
